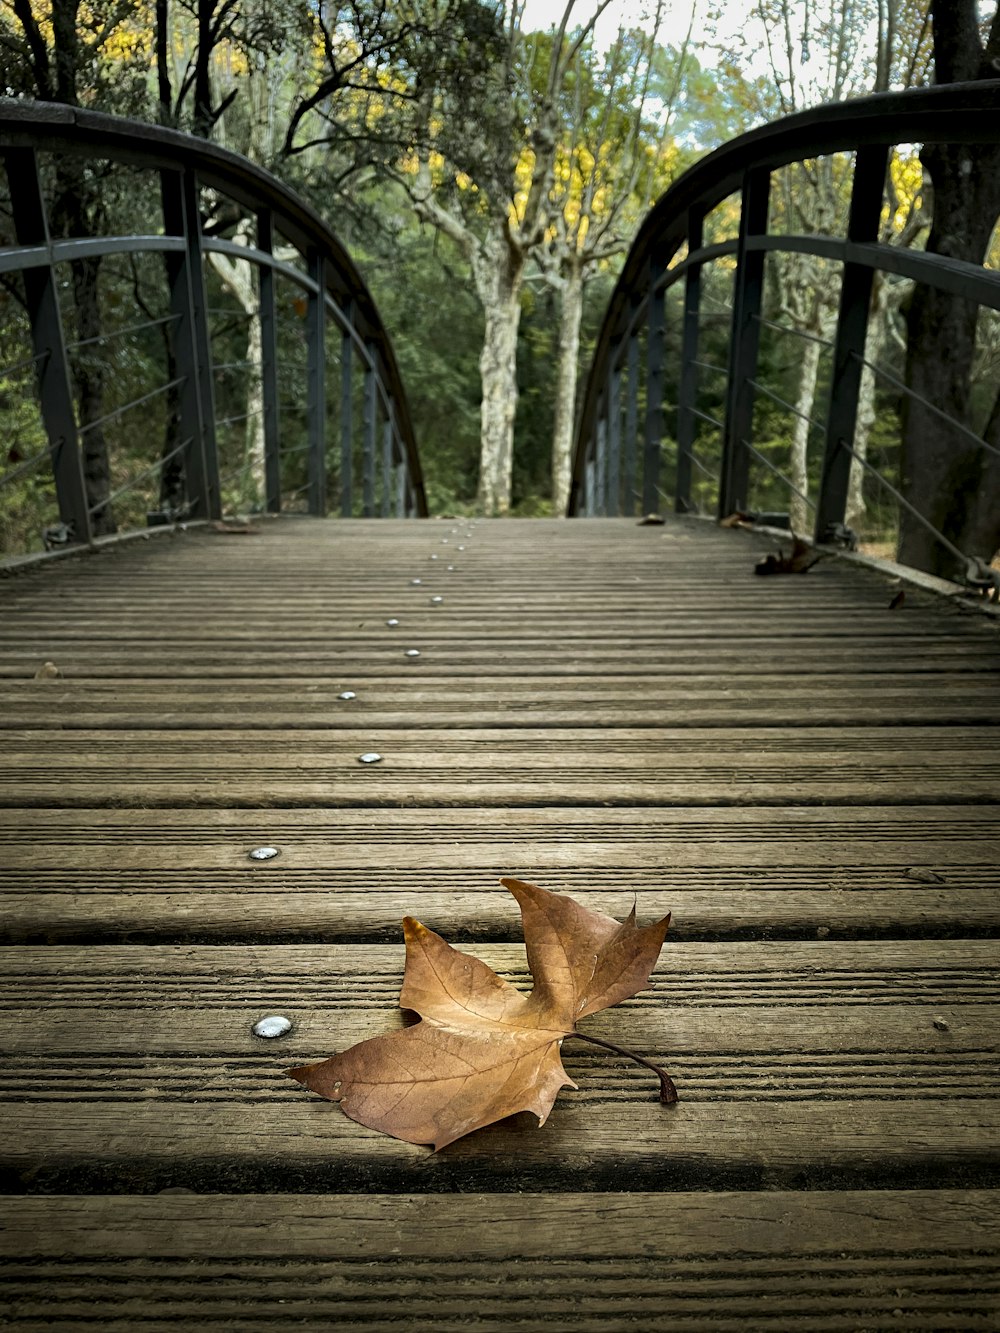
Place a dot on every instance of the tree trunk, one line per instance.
(878, 328)
(945, 477)
(499, 271)
(90, 396)
(238, 275)
(173, 492)
(570, 318)
(75, 207)
(799, 462)
(255, 410)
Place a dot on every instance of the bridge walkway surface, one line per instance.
(806, 777)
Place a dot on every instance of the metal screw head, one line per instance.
(434, 556)
(347, 694)
(451, 569)
(461, 548)
(413, 652)
(416, 581)
(264, 853)
(273, 1026)
(369, 758)
(436, 601)
(392, 623)
(444, 541)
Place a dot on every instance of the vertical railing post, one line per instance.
(54, 387)
(849, 348)
(269, 367)
(346, 414)
(370, 429)
(613, 393)
(388, 431)
(655, 339)
(588, 487)
(687, 393)
(631, 414)
(316, 382)
(401, 488)
(744, 344)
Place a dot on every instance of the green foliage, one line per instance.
(424, 296)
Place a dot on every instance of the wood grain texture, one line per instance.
(809, 780)
(765, 766)
(858, 1059)
(760, 1261)
(828, 1261)
(353, 874)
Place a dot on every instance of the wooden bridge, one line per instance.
(804, 769)
(805, 777)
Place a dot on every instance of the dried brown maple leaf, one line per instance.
(482, 1049)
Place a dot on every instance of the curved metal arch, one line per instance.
(63, 129)
(949, 113)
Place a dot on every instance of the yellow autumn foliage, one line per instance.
(907, 176)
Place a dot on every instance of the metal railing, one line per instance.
(376, 468)
(623, 412)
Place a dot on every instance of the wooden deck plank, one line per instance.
(175, 874)
(405, 703)
(688, 766)
(828, 1260)
(860, 1060)
(354, 874)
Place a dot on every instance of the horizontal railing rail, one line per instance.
(283, 240)
(623, 410)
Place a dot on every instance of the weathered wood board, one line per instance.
(353, 874)
(828, 1261)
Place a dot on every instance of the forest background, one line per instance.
(487, 164)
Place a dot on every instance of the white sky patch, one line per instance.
(544, 14)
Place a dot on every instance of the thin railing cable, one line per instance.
(218, 367)
(140, 476)
(704, 416)
(710, 365)
(25, 363)
(708, 472)
(122, 332)
(901, 499)
(29, 464)
(227, 477)
(136, 402)
(795, 333)
(789, 407)
(924, 402)
(778, 473)
(239, 417)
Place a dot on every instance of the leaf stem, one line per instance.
(668, 1093)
